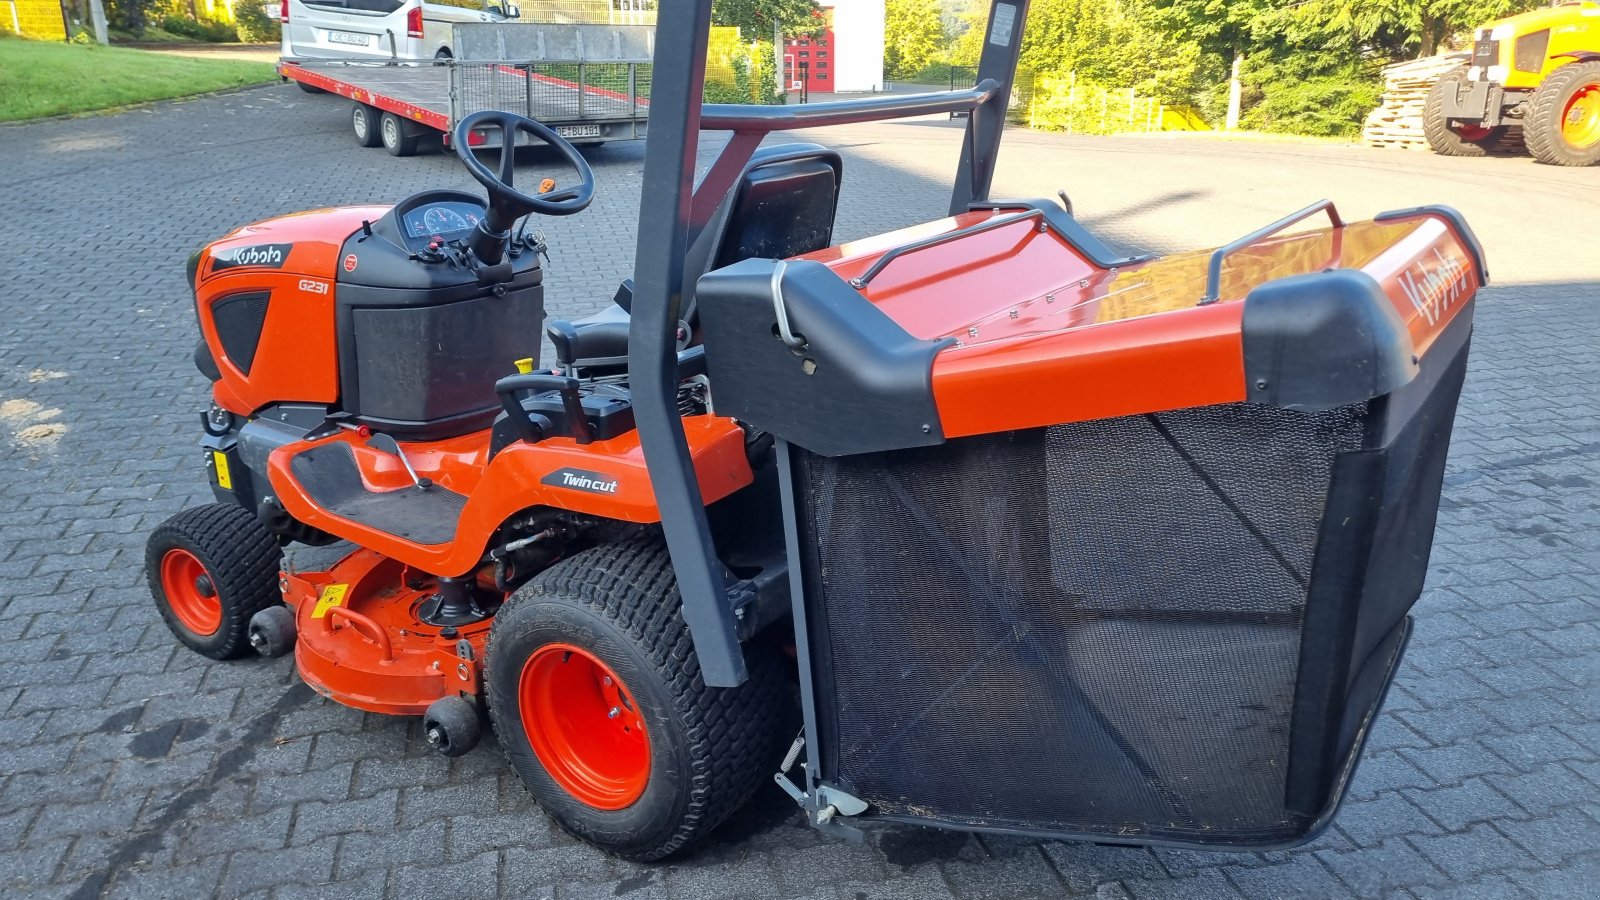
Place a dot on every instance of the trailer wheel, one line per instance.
(1563, 121)
(211, 569)
(364, 121)
(595, 692)
(396, 137)
(1454, 137)
(308, 88)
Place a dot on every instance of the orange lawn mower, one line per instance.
(1021, 534)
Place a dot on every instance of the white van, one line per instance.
(379, 29)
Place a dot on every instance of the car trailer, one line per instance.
(590, 83)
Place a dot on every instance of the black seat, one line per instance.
(782, 205)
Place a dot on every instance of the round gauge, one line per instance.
(439, 220)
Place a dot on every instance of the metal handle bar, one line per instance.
(1214, 276)
(905, 249)
(369, 629)
(761, 119)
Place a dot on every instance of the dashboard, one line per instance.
(441, 218)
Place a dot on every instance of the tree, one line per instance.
(1391, 29)
(913, 35)
(756, 19)
(1226, 29)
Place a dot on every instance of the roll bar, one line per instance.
(672, 214)
(734, 117)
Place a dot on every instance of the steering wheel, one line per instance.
(506, 203)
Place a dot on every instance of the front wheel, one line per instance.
(211, 569)
(1454, 137)
(1563, 121)
(595, 692)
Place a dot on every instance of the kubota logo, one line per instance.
(580, 480)
(268, 255)
(1433, 289)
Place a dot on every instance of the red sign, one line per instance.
(350, 263)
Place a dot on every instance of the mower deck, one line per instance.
(362, 643)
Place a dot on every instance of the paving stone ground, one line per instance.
(130, 767)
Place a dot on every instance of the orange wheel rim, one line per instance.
(583, 724)
(190, 592)
(1580, 120)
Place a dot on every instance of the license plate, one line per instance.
(572, 131)
(345, 37)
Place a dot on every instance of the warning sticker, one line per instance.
(1004, 22)
(224, 477)
(332, 595)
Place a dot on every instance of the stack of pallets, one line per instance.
(1397, 123)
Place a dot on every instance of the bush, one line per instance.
(752, 79)
(131, 16)
(200, 29)
(1325, 105)
(254, 26)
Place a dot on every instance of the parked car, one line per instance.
(379, 29)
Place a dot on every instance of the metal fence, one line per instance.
(1064, 103)
(560, 91)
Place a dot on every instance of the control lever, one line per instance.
(388, 444)
(571, 402)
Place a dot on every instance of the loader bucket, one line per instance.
(1150, 584)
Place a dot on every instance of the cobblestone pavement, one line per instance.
(131, 767)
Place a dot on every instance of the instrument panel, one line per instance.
(442, 219)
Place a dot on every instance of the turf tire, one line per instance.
(240, 556)
(710, 748)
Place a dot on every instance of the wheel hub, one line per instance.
(190, 592)
(1580, 121)
(584, 726)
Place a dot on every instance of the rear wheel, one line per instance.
(1454, 137)
(211, 569)
(396, 136)
(364, 121)
(596, 695)
(1563, 120)
(310, 89)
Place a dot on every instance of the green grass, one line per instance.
(40, 78)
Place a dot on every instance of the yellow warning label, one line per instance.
(332, 595)
(224, 477)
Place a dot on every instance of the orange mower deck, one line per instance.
(362, 644)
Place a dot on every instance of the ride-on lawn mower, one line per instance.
(1052, 540)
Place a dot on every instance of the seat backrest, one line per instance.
(782, 205)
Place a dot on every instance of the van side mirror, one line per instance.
(513, 11)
